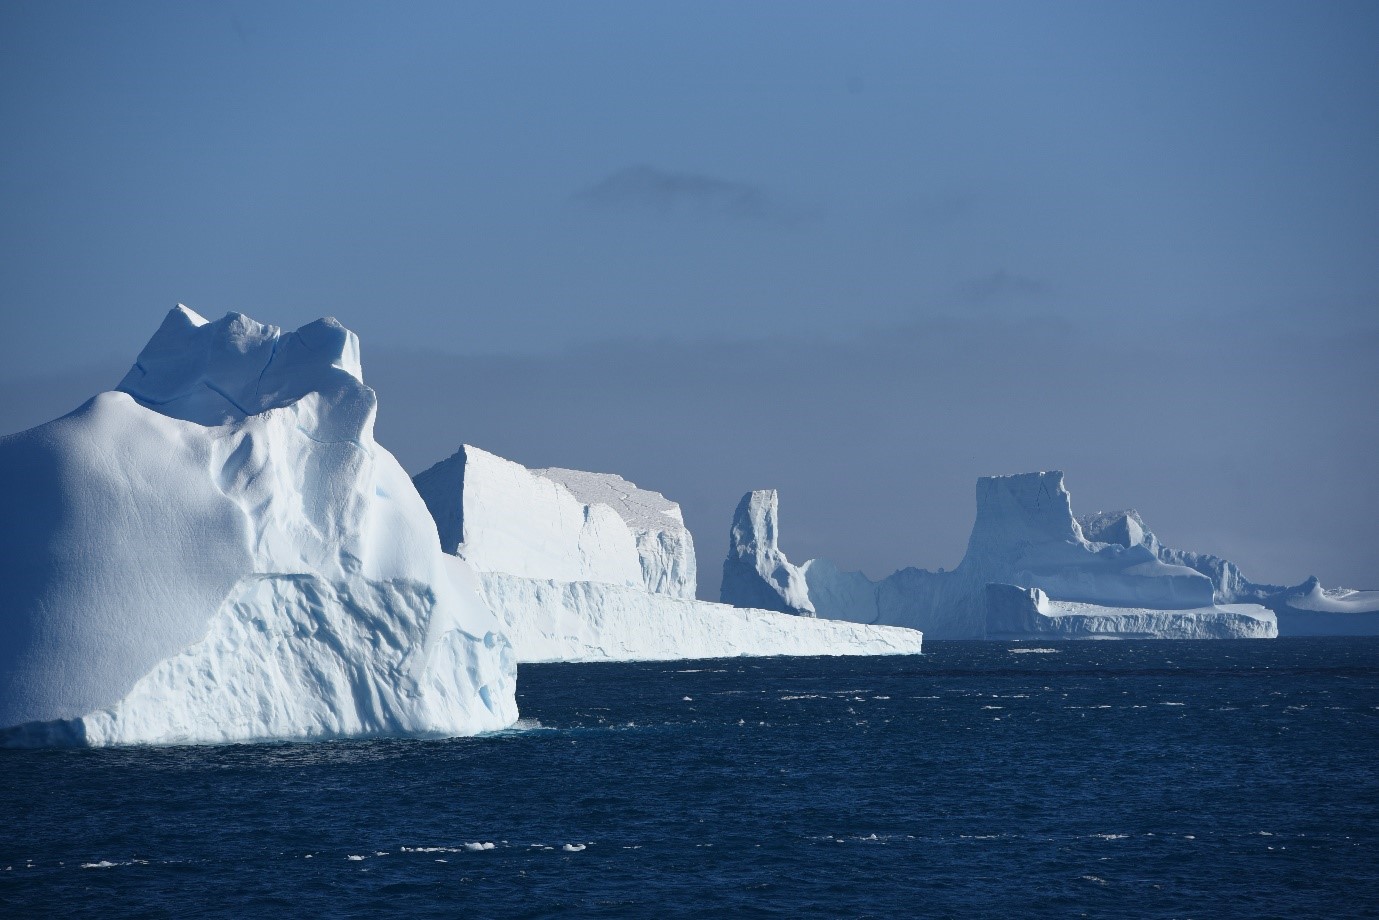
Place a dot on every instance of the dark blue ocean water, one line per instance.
(1154, 779)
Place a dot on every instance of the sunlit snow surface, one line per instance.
(587, 567)
(1048, 779)
(220, 551)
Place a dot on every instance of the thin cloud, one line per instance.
(1001, 287)
(651, 190)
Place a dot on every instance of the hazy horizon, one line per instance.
(860, 254)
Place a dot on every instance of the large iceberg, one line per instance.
(1025, 535)
(562, 524)
(1307, 609)
(588, 567)
(217, 550)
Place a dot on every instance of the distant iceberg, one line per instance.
(1307, 609)
(589, 567)
(1025, 537)
(218, 550)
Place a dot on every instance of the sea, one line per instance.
(980, 779)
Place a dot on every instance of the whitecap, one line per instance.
(573, 847)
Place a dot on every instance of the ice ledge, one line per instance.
(587, 621)
(1014, 612)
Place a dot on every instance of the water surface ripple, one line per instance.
(1154, 779)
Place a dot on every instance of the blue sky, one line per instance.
(753, 226)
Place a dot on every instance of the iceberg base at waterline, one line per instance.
(1013, 612)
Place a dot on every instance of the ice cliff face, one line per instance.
(1307, 609)
(219, 551)
(756, 573)
(587, 567)
(592, 621)
(1024, 535)
(565, 525)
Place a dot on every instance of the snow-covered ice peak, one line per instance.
(756, 572)
(223, 371)
(1123, 528)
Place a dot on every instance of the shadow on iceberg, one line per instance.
(218, 550)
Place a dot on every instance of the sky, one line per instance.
(861, 253)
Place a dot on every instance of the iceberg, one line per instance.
(588, 567)
(1025, 536)
(562, 524)
(1029, 613)
(217, 550)
(756, 572)
(1307, 609)
(591, 621)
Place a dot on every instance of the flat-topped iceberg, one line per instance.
(218, 550)
(588, 567)
(1029, 613)
(1024, 535)
(562, 524)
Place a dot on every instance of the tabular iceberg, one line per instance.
(588, 567)
(1025, 535)
(1028, 613)
(218, 551)
(561, 524)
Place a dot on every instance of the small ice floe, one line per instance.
(356, 858)
(688, 699)
(574, 847)
(478, 847)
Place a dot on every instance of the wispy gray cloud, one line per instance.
(934, 212)
(1001, 287)
(649, 189)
